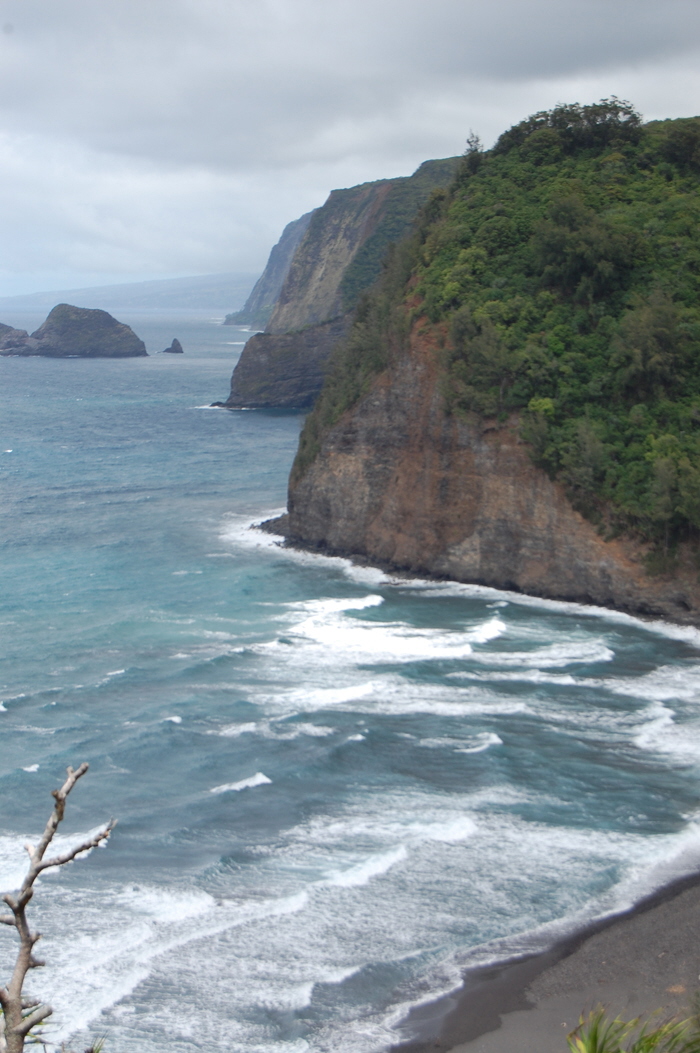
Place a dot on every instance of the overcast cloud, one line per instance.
(156, 138)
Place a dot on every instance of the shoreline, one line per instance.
(686, 628)
(636, 962)
(640, 961)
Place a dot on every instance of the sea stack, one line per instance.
(74, 332)
(174, 349)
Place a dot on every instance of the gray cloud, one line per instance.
(179, 135)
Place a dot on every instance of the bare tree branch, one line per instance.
(15, 1022)
(34, 1018)
(67, 857)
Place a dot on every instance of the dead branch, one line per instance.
(16, 1020)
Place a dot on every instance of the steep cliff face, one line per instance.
(341, 253)
(517, 402)
(260, 304)
(311, 291)
(284, 370)
(401, 482)
(339, 256)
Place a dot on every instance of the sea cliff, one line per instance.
(518, 402)
(402, 483)
(260, 304)
(339, 256)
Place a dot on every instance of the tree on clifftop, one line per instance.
(18, 1014)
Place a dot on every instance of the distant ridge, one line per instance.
(218, 291)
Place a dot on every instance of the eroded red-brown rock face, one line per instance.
(399, 481)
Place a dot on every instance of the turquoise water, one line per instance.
(335, 790)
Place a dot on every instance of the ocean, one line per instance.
(335, 789)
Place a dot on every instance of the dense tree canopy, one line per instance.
(563, 268)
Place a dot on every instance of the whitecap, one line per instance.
(490, 630)
(31, 768)
(552, 657)
(321, 697)
(234, 730)
(487, 740)
(681, 682)
(374, 866)
(330, 606)
(531, 676)
(652, 733)
(366, 642)
(254, 780)
(276, 730)
(292, 731)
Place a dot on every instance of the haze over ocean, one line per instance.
(335, 789)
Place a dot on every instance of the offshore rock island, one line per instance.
(74, 332)
(517, 403)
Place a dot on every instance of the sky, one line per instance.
(145, 139)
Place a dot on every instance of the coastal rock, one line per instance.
(285, 370)
(12, 340)
(400, 482)
(339, 256)
(174, 349)
(76, 332)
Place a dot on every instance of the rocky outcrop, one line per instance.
(339, 256)
(74, 332)
(12, 338)
(174, 349)
(400, 482)
(283, 370)
(261, 302)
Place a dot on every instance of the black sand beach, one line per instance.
(635, 963)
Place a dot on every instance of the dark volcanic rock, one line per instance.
(174, 349)
(12, 340)
(76, 332)
(284, 370)
(400, 481)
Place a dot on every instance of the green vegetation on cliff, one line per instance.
(562, 271)
(399, 210)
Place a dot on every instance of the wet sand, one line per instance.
(635, 963)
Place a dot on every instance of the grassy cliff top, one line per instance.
(563, 269)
